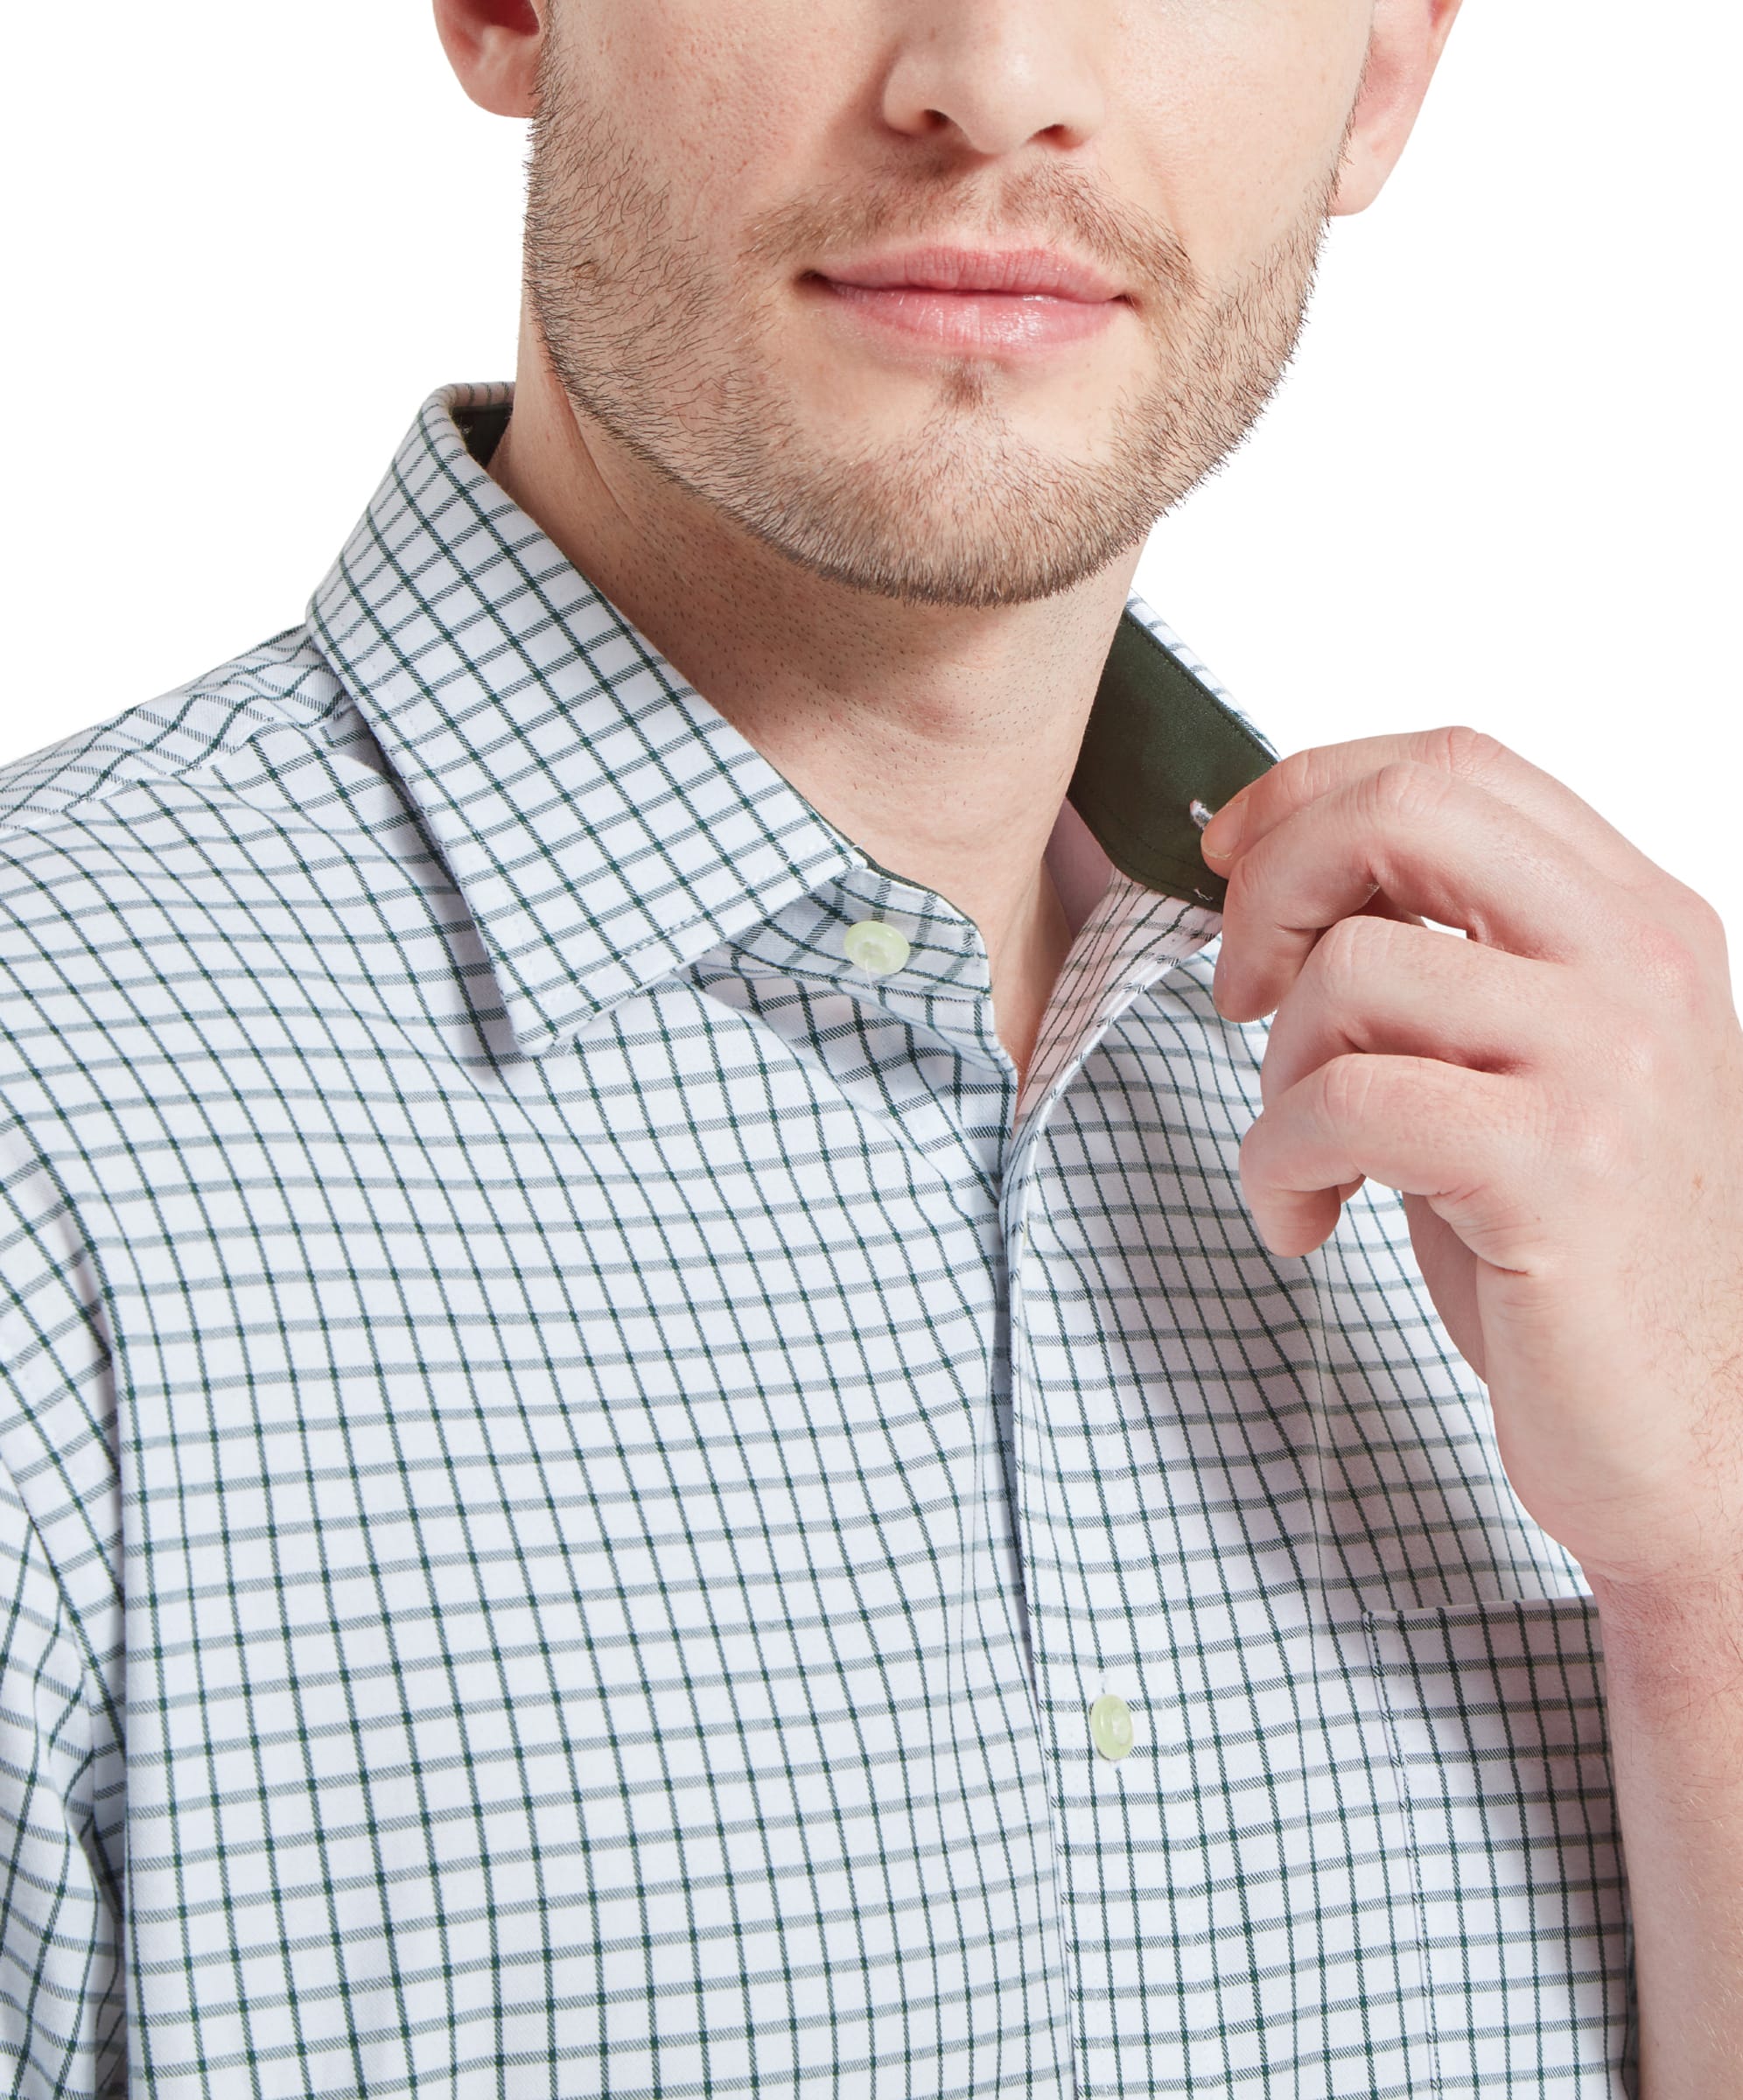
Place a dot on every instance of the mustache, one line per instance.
(1039, 208)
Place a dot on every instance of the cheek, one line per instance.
(732, 103)
(1237, 110)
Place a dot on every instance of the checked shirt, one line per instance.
(575, 1462)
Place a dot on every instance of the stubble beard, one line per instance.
(650, 339)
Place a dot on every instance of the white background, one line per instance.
(1498, 487)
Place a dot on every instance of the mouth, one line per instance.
(994, 302)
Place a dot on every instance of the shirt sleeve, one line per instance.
(62, 2028)
(62, 1769)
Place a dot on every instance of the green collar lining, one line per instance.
(1158, 740)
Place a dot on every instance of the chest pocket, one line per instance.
(1494, 1721)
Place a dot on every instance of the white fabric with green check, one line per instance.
(590, 1504)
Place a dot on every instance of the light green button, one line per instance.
(1111, 1726)
(875, 946)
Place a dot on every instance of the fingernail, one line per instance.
(1221, 837)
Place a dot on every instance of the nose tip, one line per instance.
(998, 80)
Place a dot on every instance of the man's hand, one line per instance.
(1559, 1096)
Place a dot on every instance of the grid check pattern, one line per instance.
(572, 1465)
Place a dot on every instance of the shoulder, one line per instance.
(284, 682)
(188, 809)
(168, 868)
(200, 889)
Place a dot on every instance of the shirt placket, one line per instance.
(900, 951)
(1096, 1708)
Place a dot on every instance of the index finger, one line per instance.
(1464, 754)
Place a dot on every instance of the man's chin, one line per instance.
(925, 560)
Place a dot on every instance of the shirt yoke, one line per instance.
(283, 683)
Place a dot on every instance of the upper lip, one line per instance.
(1019, 272)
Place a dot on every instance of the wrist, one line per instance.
(1674, 1641)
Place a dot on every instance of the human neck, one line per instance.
(941, 740)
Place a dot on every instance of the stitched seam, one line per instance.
(1395, 1752)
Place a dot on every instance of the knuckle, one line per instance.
(1464, 753)
(1348, 953)
(1635, 1059)
(1303, 778)
(1305, 775)
(1670, 964)
(1591, 1146)
(1347, 1087)
(1404, 792)
(1703, 927)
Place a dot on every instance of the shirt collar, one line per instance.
(604, 825)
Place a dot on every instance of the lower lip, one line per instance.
(988, 324)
